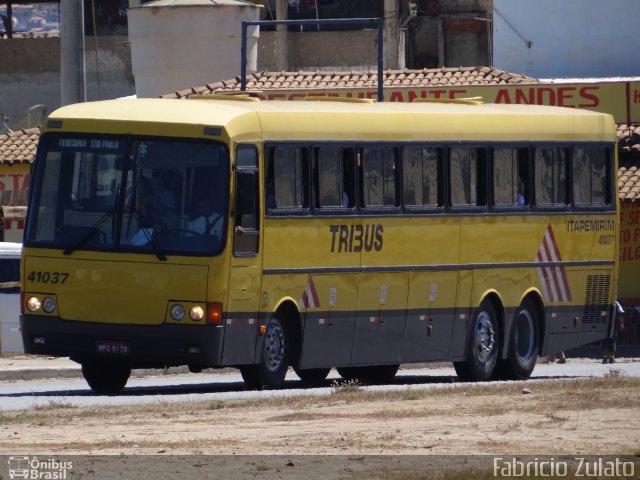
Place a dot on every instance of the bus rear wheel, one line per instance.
(523, 345)
(482, 345)
(274, 360)
(104, 377)
(312, 376)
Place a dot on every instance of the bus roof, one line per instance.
(337, 120)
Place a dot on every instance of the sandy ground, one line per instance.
(339, 432)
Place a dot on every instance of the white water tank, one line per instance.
(178, 44)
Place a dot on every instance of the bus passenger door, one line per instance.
(241, 317)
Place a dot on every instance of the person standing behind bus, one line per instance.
(561, 357)
(609, 344)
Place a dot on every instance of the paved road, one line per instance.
(18, 395)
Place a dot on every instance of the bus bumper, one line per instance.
(139, 346)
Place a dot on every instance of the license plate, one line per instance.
(113, 347)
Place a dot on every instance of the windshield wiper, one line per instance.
(141, 221)
(95, 228)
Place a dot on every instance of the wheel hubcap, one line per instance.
(274, 346)
(485, 338)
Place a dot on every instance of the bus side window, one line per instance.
(467, 176)
(379, 177)
(349, 169)
(329, 177)
(246, 234)
(421, 170)
(550, 175)
(334, 177)
(510, 177)
(590, 177)
(287, 178)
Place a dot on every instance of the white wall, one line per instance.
(177, 47)
(30, 72)
(569, 38)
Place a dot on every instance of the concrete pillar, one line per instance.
(391, 34)
(402, 50)
(282, 47)
(72, 67)
(442, 48)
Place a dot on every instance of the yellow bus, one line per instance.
(215, 232)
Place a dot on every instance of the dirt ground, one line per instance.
(545, 417)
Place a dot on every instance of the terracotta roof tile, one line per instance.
(629, 167)
(362, 79)
(18, 147)
(629, 137)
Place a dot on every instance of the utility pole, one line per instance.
(391, 34)
(9, 25)
(282, 47)
(72, 67)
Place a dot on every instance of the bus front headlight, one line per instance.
(34, 304)
(196, 313)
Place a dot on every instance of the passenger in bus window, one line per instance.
(523, 178)
(209, 222)
(271, 195)
(521, 200)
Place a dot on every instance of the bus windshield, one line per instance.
(158, 196)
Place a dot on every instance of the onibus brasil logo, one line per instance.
(38, 469)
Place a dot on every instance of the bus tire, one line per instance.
(351, 373)
(482, 345)
(104, 377)
(523, 345)
(270, 371)
(379, 374)
(312, 376)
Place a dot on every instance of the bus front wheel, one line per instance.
(523, 345)
(274, 359)
(482, 345)
(104, 377)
